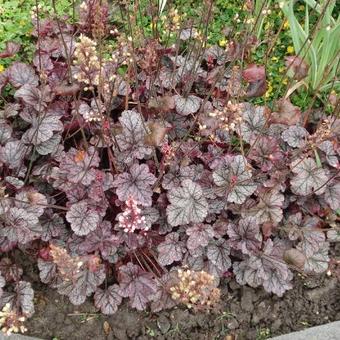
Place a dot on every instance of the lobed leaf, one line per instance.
(136, 284)
(309, 178)
(108, 300)
(187, 204)
(170, 250)
(234, 180)
(136, 183)
(83, 218)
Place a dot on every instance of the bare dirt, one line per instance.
(245, 312)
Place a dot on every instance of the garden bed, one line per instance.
(246, 312)
(249, 313)
(151, 176)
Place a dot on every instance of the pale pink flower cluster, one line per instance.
(131, 219)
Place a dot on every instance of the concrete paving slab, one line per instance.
(16, 337)
(330, 331)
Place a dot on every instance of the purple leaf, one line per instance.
(82, 218)
(37, 98)
(53, 226)
(187, 204)
(331, 156)
(162, 298)
(245, 236)
(10, 110)
(317, 262)
(21, 74)
(102, 239)
(254, 122)
(11, 49)
(16, 182)
(244, 274)
(253, 73)
(287, 113)
(176, 175)
(217, 53)
(187, 106)
(136, 183)
(43, 62)
(42, 129)
(170, 250)
(131, 141)
(136, 284)
(21, 226)
(6, 245)
(266, 268)
(295, 136)
(332, 194)
(233, 178)
(218, 253)
(32, 201)
(199, 235)
(269, 209)
(49, 146)
(151, 216)
(83, 285)
(309, 178)
(333, 235)
(297, 68)
(48, 273)
(5, 132)
(312, 238)
(21, 300)
(108, 300)
(266, 152)
(77, 165)
(13, 153)
(10, 271)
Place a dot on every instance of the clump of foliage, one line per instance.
(16, 22)
(118, 171)
(318, 44)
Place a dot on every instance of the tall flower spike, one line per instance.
(86, 61)
(131, 218)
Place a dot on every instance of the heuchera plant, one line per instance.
(114, 180)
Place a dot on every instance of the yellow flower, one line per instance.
(153, 25)
(269, 90)
(285, 25)
(223, 42)
(290, 49)
(285, 81)
(176, 18)
(1, 68)
(282, 69)
(275, 59)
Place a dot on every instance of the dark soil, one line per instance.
(245, 312)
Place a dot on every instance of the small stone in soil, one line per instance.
(163, 324)
(232, 324)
